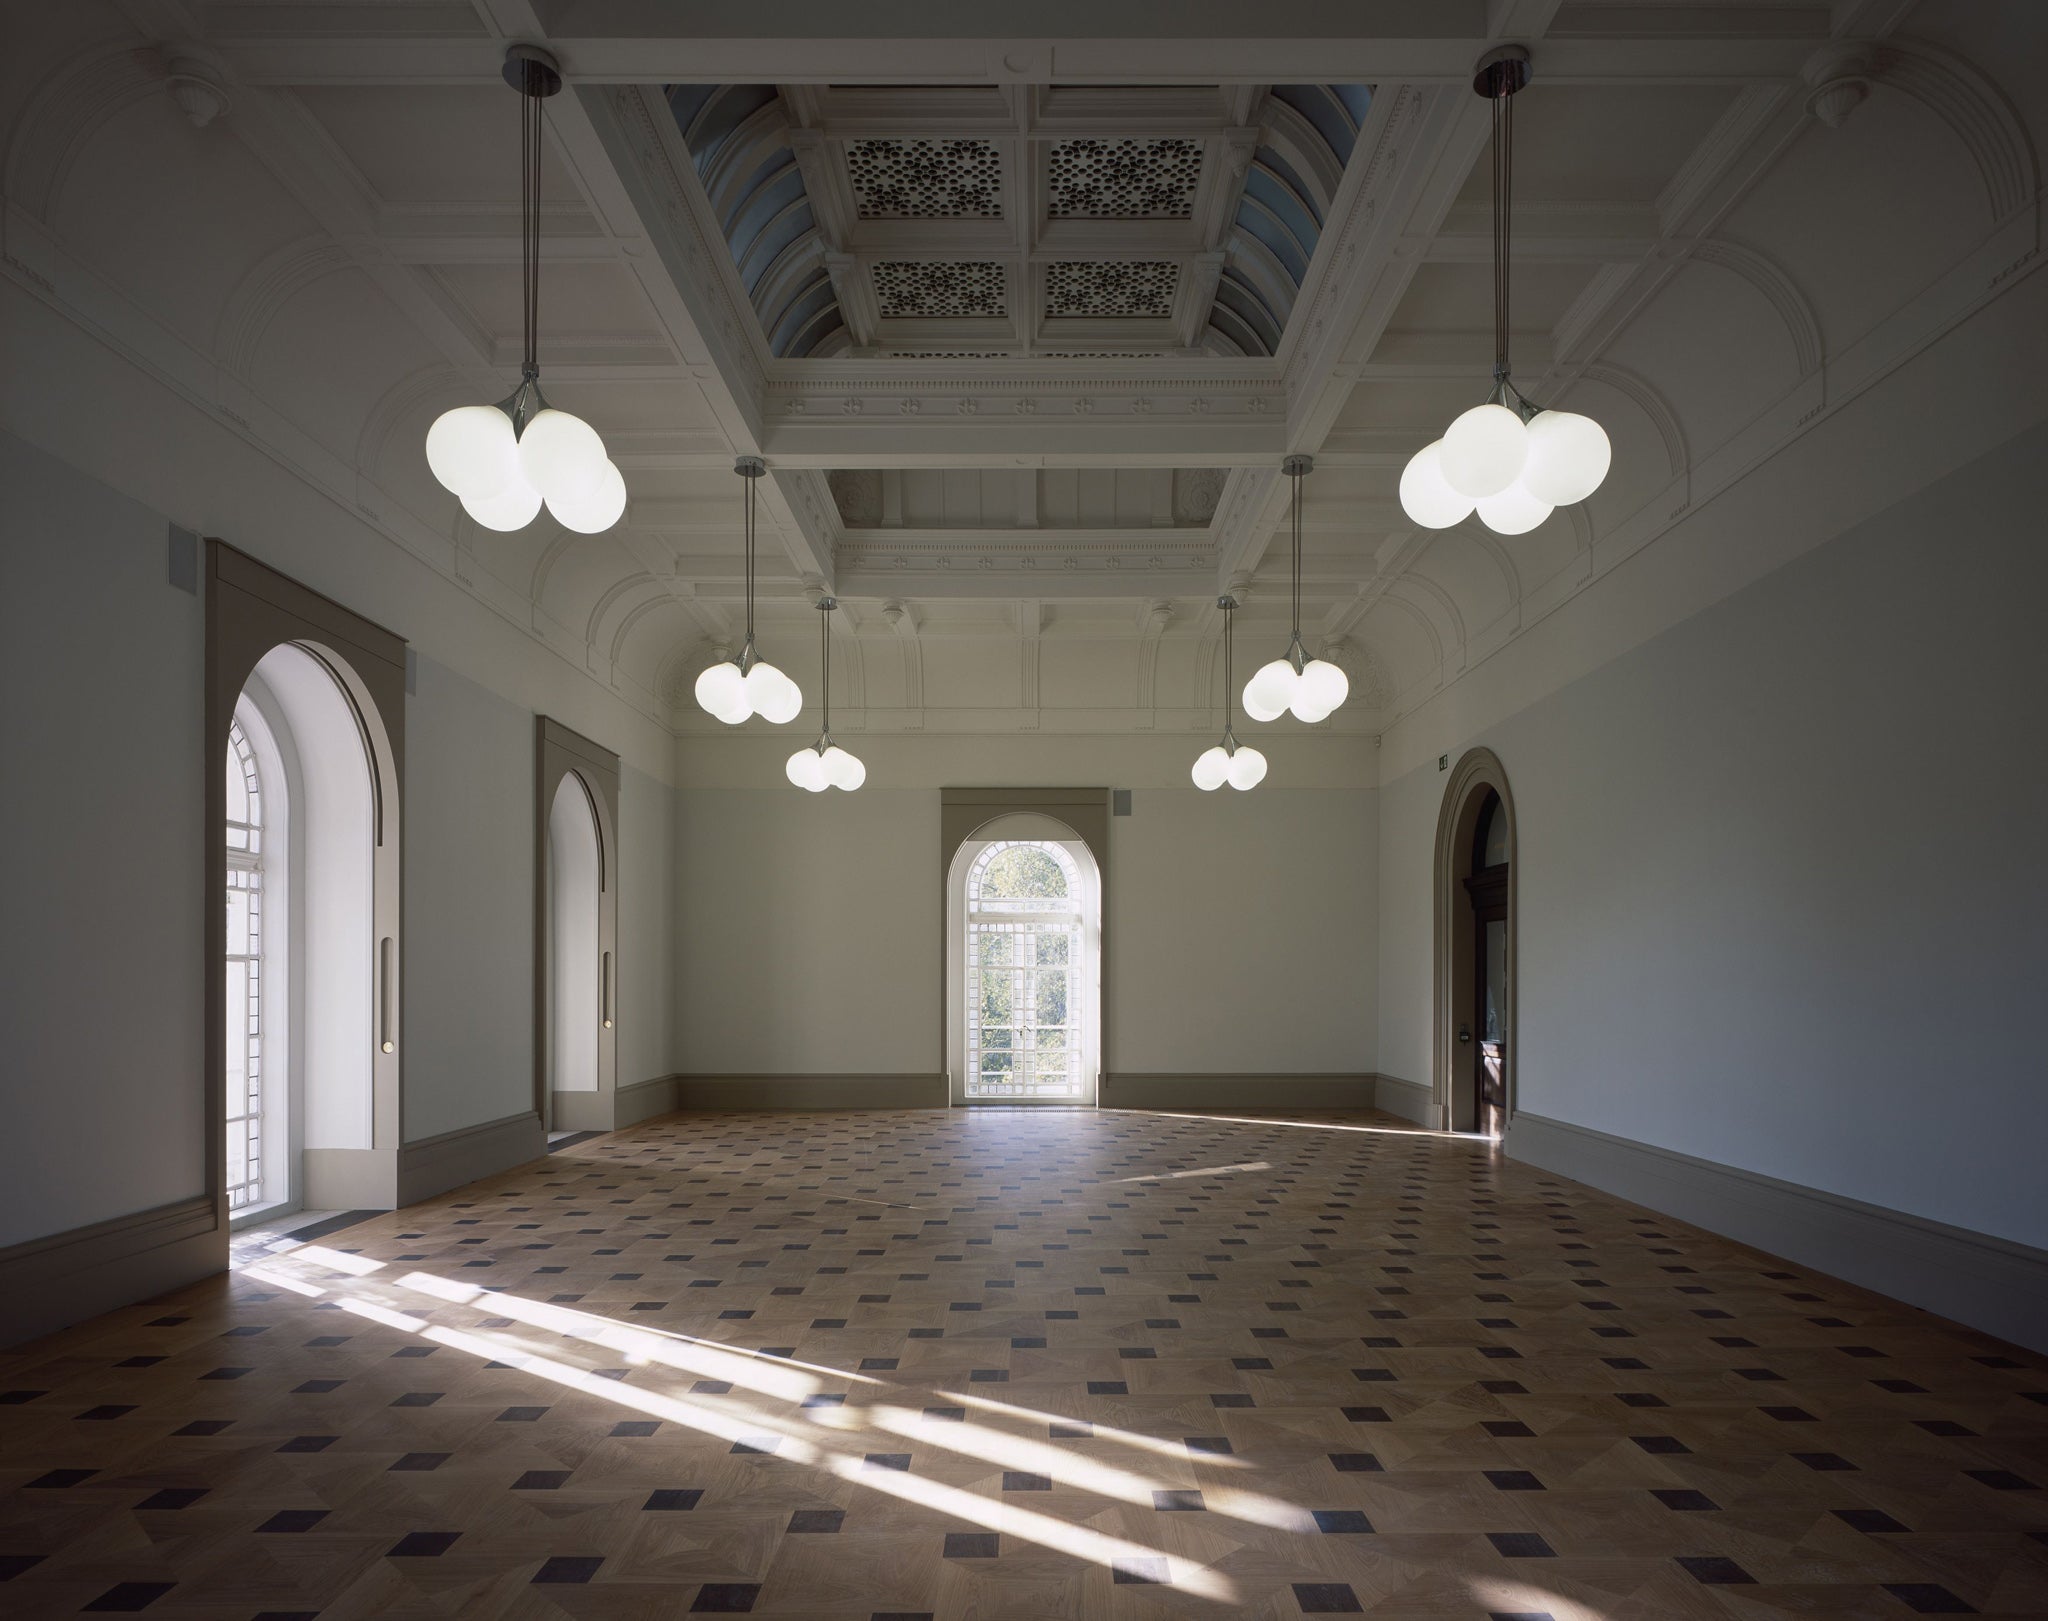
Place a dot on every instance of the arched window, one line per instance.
(245, 974)
(1025, 965)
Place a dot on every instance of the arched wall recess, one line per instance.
(438, 384)
(1452, 1071)
(1763, 273)
(257, 298)
(1644, 396)
(1971, 105)
(70, 108)
(250, 611)
(565, 758)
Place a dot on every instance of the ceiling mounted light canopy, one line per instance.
(1509, 459)
(505, 460)
(1229, 761)
(824, 764)
(734, 688)
(1312, 688)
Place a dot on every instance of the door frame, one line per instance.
(1454, 1065)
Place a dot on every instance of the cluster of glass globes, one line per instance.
(732, 690)
(824, 764)
(1512, 472)
(1311, 688)
(503, 474)
(1230, 761)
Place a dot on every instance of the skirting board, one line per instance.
(436, 1164)
(1411, 1100)
(608, 1111)
(810, 1091)
(49, 1283)
(1191, 1093)
(1990, 1283)
(643, 1100)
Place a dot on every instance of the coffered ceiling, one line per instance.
(1022, 326)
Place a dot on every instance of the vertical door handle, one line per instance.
(606, 1002)
(384, 1041)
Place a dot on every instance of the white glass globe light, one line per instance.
(1482, 453)
(805, 769)
(1512, 512)
(843, 770)
(561, 455)
(722, 692)
(1322, 685)
(513, 507)
(1256, 710)
(1568, 457)
(773, 696)
(1425, 496)
(1309, 714)
(594, 510)
(1247, 768)
(1212, 769)
(473, 451)
(1270, 690)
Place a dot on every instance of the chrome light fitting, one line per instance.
(1230, 761)
(732, 689)
(1510, 458)
(824, 764)
(504, 460)
(1312, 688)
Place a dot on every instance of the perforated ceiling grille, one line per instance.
(1130, 179)
(930, 287)
(1110, 287)
(914, 180)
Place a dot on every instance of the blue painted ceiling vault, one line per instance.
(1183, 233)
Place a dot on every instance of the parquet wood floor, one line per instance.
(1015, 1364)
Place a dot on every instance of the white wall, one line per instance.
(468, 967)
(1783, 884)
(643, 998)
(103, 986)
(101, 879)
(1240, 932)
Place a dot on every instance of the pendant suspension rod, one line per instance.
(1503, 215)
(1297, 552)
(1229, 607)
(825, 662)
(750, 561)
(529, 226)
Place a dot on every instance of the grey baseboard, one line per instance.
(50, 1283)
(436, 1164)
(643, 1100)
(1192, 1093)
(1989, 1283)
(810, 1092)
(1411, 1100)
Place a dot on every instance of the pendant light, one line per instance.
(1509, 458)
(1230, 761)
(735, 688)
(504, 460)
(824, 764)
(1312, 688)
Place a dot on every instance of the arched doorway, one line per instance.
(304, 739)
(576, 962)
(1473, 1085)
(1024, 965)
(576, 930)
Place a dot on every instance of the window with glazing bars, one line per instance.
(1024, 956)
(244, 901)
